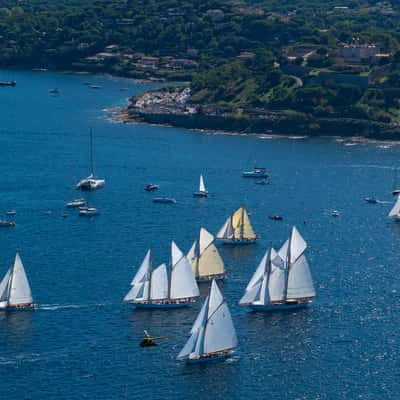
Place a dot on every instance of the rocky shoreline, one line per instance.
(172, 106)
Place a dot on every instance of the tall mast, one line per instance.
(10, 279)
(288, 266)
(91, 152)
(197, 252)
(241, 224)
(149, 271)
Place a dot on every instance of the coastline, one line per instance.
(172, 107)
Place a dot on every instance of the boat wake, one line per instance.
(55, 307)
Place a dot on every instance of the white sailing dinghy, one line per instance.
(281, 281)
(202, 192)
(395, 211)
(237, 229)
(91, 182)
(15, 292)
(153, 288)
(205, 259)
(213, 335)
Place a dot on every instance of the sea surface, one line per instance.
(81, 342)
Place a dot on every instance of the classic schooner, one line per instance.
(202, 192)
(205, 259)
(15, 292)
(282, 280)
(164, 287)
(395, 211)
(213, 335)
(237, 229)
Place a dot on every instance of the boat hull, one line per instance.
(200, 194)
(236, 242)
(209, 278)
(279, 306)
(220, 356)
(163, 305)
(22, 307)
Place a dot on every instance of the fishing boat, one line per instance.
(76, 203)
(15, 292)
(88, 211)
(202, 192)
(282, 280)
(164, 200)
(7, 224)
(150, 187)
(164, 287)
(371, 200)
(213, 336)
(237, 229)
(256, 172)
(276, 217)
(395, 211)
(91, 182)
(205, 259)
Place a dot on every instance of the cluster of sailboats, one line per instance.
(282, 281)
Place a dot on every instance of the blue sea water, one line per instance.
(82, 343)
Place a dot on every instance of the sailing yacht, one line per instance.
(164, 287)
(282, 280)
(205, 259)
(213, 335)
(202, 192)
(237, 229)
(15, 292)
(395, 211)
(91, 182)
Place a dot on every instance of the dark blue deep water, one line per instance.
(82, 343)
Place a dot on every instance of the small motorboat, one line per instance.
(76, 203)
(88, 211)
(95, 86)
(54, 92)
(257, 172)
(9, 224)
(261, 182)
(276, 217)
(11, 212)
(371, 200)
(335, 213)
(165, 200)
(8, 83)
(151, 187)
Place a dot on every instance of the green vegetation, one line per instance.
(319, 58)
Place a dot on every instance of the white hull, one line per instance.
(280, 306)
(164, 305)
(200, 194)
(222, 355)
(90, 184)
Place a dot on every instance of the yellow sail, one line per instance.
(237, 222)
(210, 262)
(248, 232)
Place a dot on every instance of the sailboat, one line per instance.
(213, 335)
(164, 287)
(237, 229)
(395, 211)
(91, 182)
(282, 280)
(205, 259)
(202, 192)
(15, 292)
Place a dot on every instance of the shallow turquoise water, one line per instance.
(82, 342)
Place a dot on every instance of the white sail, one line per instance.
(277, 282)
(143, 269)
(202, 187)
(138, 292)
(192, 258)
(226, 232)
(206, 238)
(300, 283)
(297, 245)
(220, 333)
(189, 346)
(159, 283)
(395, 211)
(4, 289)
(183, 282)
(20, 291)
(258, 275)
(251, 294)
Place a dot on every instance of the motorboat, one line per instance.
(9, 224)
(150, 187)
(165, 200)
(257, 172)
(276, 217)
(11, 212)
(371, 200)
(88, 211)
(76, 203)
